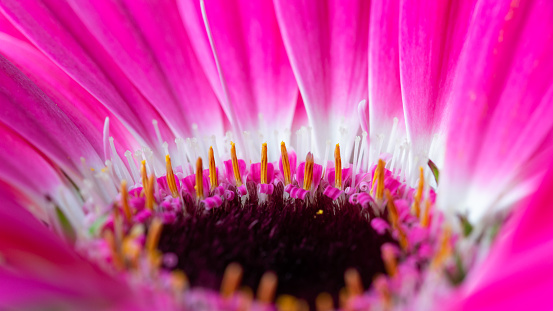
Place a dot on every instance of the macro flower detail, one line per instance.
(275, 155)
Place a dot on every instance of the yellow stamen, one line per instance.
(199, 179)
(231, 279)
(285, 164)
(353, 282)
(380, 185)
(213, 178)
(445, 249)
(171, 177)
(116, 256)
(308, 175)
(144, 174)
(264, 163)
(287, 303)
(132, 247)
(378, 179)
(390, 261)
(150, 199)
(393, 217)
(246, 299)
(154, 234)
(343, 298)
(338, 167)
(178, 281)
(425, 221)
(267, 287)
(418, 195)
(324, 302)
(235, 167)
(381, 287)
(125, 200)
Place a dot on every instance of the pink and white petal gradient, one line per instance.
(45, 271)
(81, 108)
(148, 42)
(502, 103)
(518, 273)
(430, 40)
(55, 29)
(24, 168)
(252, 58)
(327, 45)
(34, 116)
(384, 83)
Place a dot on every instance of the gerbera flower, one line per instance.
(273, 154)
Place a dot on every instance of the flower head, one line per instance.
(273, 154)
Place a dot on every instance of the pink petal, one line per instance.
(384, 83)
(519, 272)
(253, 61)
(327, 45)
(34, 116)
(504, 96)
(39, 268)
(79, 106)
(431, 37)
(7, 28)
(82, 57)
(148, 42)
(23, 167)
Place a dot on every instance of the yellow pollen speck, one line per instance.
(320, 212)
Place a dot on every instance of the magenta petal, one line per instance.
(23, 167)
(384, 83)
(39, 268)
(79, 106)
(253, 61)
(327, 44)
(81, 56)
(34, 116)
(518, 273)
(431, 37)
(148, 42)
(503, 96)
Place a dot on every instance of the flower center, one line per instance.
(308, 245)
